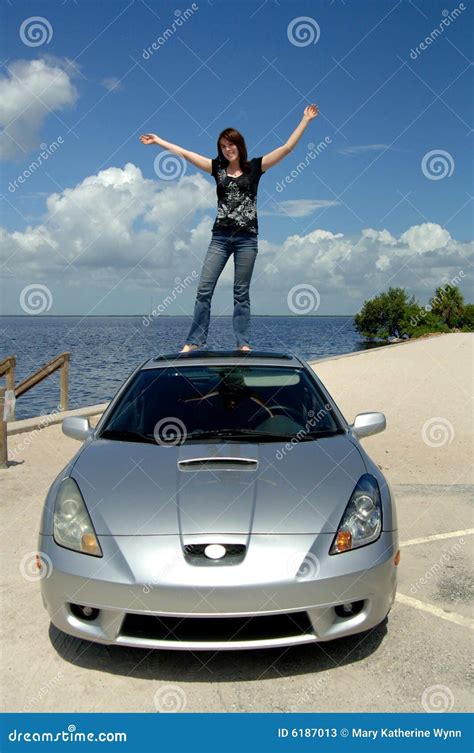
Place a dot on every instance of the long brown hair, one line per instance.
(231, 134)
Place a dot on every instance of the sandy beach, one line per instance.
(425, 389)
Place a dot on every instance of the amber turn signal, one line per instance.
(90, 544)
(343, 541)
(396, 559)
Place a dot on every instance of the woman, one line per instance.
(235, 229)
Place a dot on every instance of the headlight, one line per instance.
(73, 527)
(362, 520)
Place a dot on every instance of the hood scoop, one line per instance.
(220, 463)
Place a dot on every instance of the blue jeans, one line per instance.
(222, 245)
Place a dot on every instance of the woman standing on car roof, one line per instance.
(235, 229)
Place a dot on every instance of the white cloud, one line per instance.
(362, 148)
(119, 228)
(298, 207)
(111, 83)
(426, 237)
(32, 91)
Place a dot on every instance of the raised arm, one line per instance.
(204, 163)
(272, 158)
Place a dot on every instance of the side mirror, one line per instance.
(77, 427)
(366, 424)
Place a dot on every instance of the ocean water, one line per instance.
(105, 349)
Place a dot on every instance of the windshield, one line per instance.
(176, 405)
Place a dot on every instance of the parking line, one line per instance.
(437, 536)
(458, 619)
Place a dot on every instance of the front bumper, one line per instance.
(178, 606)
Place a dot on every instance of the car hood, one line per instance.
(235, 488)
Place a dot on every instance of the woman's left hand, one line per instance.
(310, 112)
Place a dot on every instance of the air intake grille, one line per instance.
(195, 555)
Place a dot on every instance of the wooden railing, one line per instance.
(7, 369)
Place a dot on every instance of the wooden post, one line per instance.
(3, 432)
(10, 381)
(63, 388)
(7, 369)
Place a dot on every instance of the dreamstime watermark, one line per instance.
(309, 693)
(448, 18)
(448, 284)
(437, 567)
(71, 735)
(35, 566)
(437, 164)
(162, 571)
(36, 298)
(31, 436)
(169, 166)
(170, 699)
(308, 427)
(43, 156)
(180, 18)
(437, 431)
(180, 286)
(170, 431)
(303, 566)
(302, 31)
(42, 692)
(303, 298)
(437, 699)
(35, 31)
(314, 151)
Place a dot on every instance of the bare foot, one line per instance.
(187, 348)
(245, 348)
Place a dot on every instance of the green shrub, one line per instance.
(467, 318)
(387, 312)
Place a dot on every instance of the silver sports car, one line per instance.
(221, 502)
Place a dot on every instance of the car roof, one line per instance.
(224, 357)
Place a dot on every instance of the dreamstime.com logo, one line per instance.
(71, 735)
(309, 425)
(437, 699)
(163, 571)
(180, 286)
(303, 566)
(303, 31)
(36, 298)
(437, 164)
(43, 690)
(170, 699)
(303, 298)
(31, 436)
(170, 431)
(35, 31)
(448, 18)
(46, 151)
(169, 166)
(36, 566)
(437, 431)
(314, 151)
(180, 19)
(437, 567)
(448, 284)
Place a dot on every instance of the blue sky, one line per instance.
(384, 201)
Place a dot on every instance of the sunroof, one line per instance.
(221, 354)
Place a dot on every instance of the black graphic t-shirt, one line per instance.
(237, 198)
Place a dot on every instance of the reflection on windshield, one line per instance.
(232, 389)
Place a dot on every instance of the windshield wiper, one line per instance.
(254, 433)
(126, 436)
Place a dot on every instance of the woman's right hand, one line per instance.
(149, 138)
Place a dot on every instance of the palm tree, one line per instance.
(448, 303)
